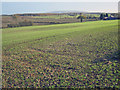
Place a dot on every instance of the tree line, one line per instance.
(103, 16)
(20, 24)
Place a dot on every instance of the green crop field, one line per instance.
(55, 16)
(76, 55)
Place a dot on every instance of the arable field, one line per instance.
(75, 55)
(47, 19)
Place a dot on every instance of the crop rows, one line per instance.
(76, 58)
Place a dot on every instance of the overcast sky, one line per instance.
(43, 7)
(60, 0)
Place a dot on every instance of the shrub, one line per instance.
(20, 24)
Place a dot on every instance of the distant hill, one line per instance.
(55, 13)
(70, 11)
(74, 11)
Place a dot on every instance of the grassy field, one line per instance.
(55, 16)
(62, 55)
(46, 19)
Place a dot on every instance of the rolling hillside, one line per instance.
(63, 55)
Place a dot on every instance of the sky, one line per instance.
(44, 7)
(60, 0)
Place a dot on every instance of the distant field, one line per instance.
(46, 19)
(76, 55)
(55, 16)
